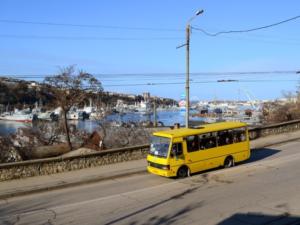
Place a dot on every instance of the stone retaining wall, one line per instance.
(48, 166)
(278, 128)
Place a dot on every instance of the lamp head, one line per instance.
(199, 12)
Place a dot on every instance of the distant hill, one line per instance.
(17, 93)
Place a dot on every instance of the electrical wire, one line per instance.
(165, 74)
(90, 38)
(200, 82)
(246, 30)
(200, 73)
(89, 26)
(197, 82)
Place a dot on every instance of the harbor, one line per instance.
(88, 118)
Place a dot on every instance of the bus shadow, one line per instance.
(259, 154)
(259, 219)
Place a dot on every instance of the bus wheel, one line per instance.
(183, 172)
(229, 162)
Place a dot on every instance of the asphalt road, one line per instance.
(265, 190)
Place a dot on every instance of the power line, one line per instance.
(262, 40)
(159, 74)
(91, 38)
(197, 82)
(246, 30)
(89, 26)
(201, 82)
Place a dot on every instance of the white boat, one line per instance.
(24, 116)
(45, 115)
(77, 114)
(144, 108)
(74, 115)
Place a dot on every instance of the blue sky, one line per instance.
(42, 49)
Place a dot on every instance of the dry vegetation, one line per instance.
(48, 139)
(70, 88)
(277, 111)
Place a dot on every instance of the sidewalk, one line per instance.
(61, 180)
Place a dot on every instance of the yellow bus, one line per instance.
(181, 152)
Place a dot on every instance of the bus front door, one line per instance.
(177, 157)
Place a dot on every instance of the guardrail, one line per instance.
(53, 165)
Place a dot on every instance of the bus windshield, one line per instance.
(159, 146)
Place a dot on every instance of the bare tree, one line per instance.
(70, 88)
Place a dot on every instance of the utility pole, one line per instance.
(155, 114)
(187, 82)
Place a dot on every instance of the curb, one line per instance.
(70, 184)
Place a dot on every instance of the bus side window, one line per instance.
(221, 138)
(211, 141)
(225, 137)
(202, 141)
(207, 140)
(235, 137)
(229, 138)
(239, 135)
(192, 143)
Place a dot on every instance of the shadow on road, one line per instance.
(260, 219)
(262, 153)
(168, 219)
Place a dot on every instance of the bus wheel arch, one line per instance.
(183, 171)
(229, 161)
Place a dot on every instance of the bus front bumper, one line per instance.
(160, 172)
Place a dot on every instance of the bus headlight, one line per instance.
(165, 167)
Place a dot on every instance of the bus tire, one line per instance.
(229, 162)
(183, 172)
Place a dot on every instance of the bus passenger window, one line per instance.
(239, 135)
(202, 142)
(243, 137)
(224, 138)
(234, 138)
(221, 138)
(207, 140)
(229, 138)
(211, 142)
(192, 143)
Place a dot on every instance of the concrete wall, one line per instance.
(31, 168)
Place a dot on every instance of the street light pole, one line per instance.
(187, 82)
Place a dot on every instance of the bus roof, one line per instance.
(205, 128)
